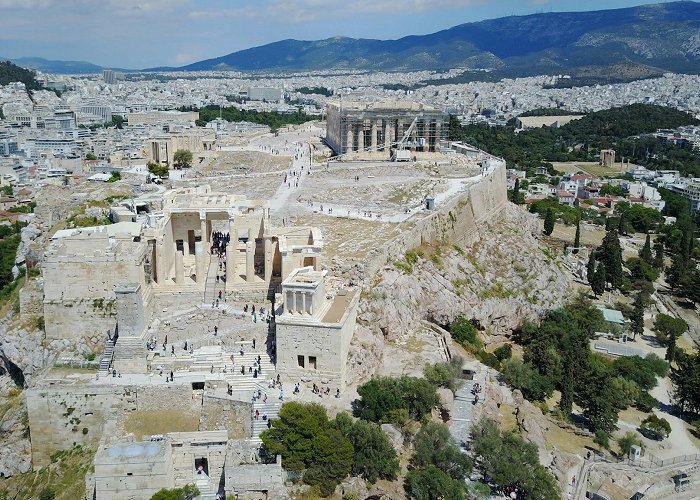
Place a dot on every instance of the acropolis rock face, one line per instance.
(488, 282)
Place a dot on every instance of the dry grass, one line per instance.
(508, 420)
(556, 437)
(632, 416)
(147, 423)
(589, 167)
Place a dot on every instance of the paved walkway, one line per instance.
(465, 411)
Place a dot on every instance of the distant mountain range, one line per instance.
(641, 41)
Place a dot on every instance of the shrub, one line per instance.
(504, 352)
(442, 374)
(602, 438)
(464, 332)
(656, 427)
(627, 441)
(381, 397)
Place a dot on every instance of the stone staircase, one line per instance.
(106, 359)
(208, 358)
(206, 489)
(271, 409)
(211, 287)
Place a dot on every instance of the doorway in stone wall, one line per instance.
(201, 465)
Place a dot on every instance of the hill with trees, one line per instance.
(620, 128)
(10, 72)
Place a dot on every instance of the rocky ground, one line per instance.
(503, 279)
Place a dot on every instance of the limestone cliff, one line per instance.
(506, 276)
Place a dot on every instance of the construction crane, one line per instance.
(400, 153)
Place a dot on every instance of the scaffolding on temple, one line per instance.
(386, 126)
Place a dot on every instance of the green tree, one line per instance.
(637, 318)
(658, 254)
(464, 332)
(434, 445)
(433, 484)
(90, 157)
(645, 252)
(627, 441)
(610, 253)
(158, 169)
(526, 378)
(657, 427)
(686, 382)
(515, 195)
(309, 442)
(509, 459)
(598, 281)
(597, 397)
(668, 329)
(577, 237)
(333, 460)
(549, 222)
(622, 225)
(182, 158)
(503, 352)
(188, 492)
(444, 374)
(381, 397)
(590, 267)
(375, 457)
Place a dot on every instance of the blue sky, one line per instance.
(147, 33)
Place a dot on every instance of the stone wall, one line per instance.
(189, 446)
(176, 398)
(456, 222)
(242, 478)
(225, 414)
(58, 417)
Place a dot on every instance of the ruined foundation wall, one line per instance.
(457, 222)
(57, 417)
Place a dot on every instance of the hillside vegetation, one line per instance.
(582, 140)
(12, 73)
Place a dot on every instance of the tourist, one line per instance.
(216, 329)
(257, 414)
(281, 395)
(172, 377)
(337, 393)
(172, 350)
(254, 345)
(265, 398)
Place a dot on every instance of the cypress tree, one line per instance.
(549, 222)
(577, 238)
(637, 319)
(621, 223)
(671, 348)
(598, 281)
(590, 267)
(610, 252)
(515, 196)
(645, 252)
(659, 254)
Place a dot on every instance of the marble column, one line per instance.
(310, 303)
(349, 146)
(303, 302)
(250, 260)
(200, 260)
(361, 137)
(179, 268)
(373, 133)
(231, 250)
(205, 236)
(438, 131)
(269, 256)
(387, 138)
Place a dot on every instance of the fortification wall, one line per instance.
(72, 319)
(457, 222)
(61, 417)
